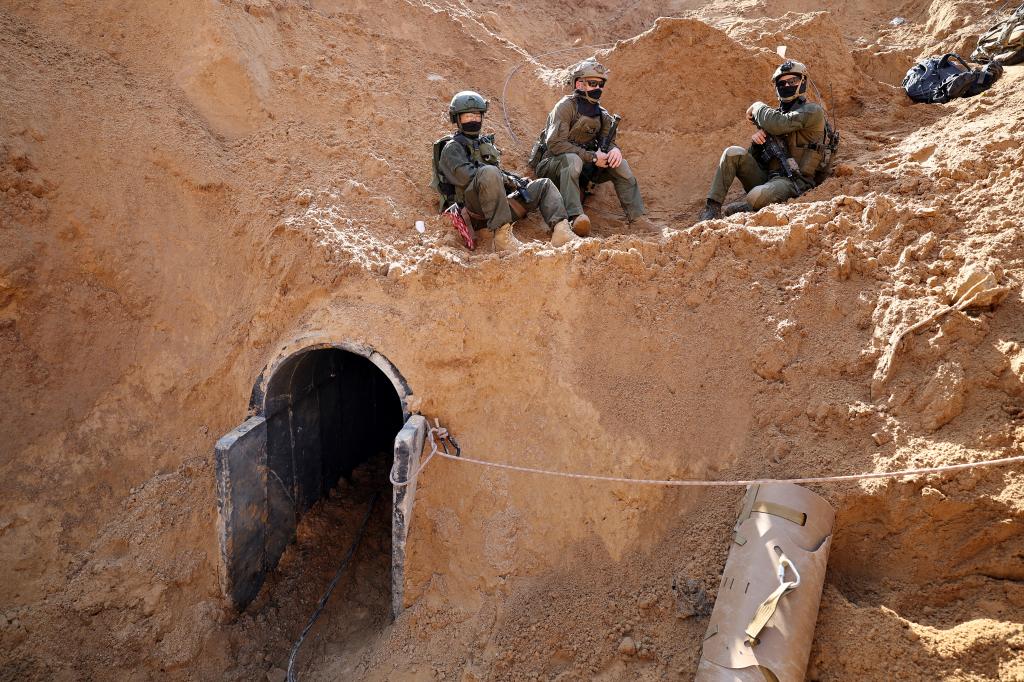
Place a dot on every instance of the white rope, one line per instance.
(699, 483)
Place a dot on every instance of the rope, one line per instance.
(699, 483)
(292, 675)
(443, 437)
(513, 72)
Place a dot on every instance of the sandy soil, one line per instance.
(187, 187)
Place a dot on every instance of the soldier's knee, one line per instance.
(488, 173)
(623, 171)
(574, 164)
(760, 196)
(732, 152)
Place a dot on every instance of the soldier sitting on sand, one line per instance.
(802, 143)
(575, 126)
(466, 172)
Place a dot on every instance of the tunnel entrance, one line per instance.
(319, 413)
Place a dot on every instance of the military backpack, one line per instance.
(938, 80)
(1004, 42)
(829, 147)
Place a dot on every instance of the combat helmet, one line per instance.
(588, 68)
(788, 68)
(466, 101)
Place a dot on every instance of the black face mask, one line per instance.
(786, 91)
(592, 94)
(471, 128)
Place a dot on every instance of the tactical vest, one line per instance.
(813, 147)
(807, 146)
(583, 130)
(480, 151)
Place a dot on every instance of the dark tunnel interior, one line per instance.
(327, 412)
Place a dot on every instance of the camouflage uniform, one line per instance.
(471, 166)
(572, 126)
(801, 126)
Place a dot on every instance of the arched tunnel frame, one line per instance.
(250, 546)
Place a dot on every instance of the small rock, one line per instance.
(978, 285)
(276, 675)
(627, 647)
(881, 437)
(944, 397)
(691, 599)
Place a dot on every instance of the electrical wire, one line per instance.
(292, 675)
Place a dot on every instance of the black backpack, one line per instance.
(938, 80)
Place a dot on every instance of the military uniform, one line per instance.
(801, 126)
(574, 125)
(466, 172)
(471, 166)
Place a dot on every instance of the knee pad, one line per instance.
(759, 197)
(732, 151)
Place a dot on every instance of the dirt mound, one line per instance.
(186, 196)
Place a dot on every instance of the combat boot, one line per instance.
(712, 210)
(642, 223)
(737, 207)
(581, 225)
(504, 240)
(562, 233)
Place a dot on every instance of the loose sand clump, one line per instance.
(187, 189)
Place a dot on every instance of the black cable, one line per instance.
(508, 79)
(292, 677)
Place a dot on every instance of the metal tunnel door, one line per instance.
(404, 472)
(241, 466)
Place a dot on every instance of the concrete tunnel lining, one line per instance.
(317, 411)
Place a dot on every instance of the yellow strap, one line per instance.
(780, 510)
(765, 611)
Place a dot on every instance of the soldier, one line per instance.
(800, 126)
(467, 172)
(574, 128)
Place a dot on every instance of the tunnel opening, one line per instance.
(322, 415)
(328, 411)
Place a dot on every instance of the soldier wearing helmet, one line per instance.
(800, 127)
(469, 174)
(574, 127)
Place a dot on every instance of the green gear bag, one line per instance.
(438, 183)
(1004, 42)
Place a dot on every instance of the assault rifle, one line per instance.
(773, 149)
(518, 184)
(605, 145)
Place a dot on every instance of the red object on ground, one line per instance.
(459, 223)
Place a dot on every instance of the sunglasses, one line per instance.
(593, 82)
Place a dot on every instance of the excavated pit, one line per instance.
(266, 148)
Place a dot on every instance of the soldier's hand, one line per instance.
(759, 137)
(600, 159)
(614, 157)
(750, 112)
